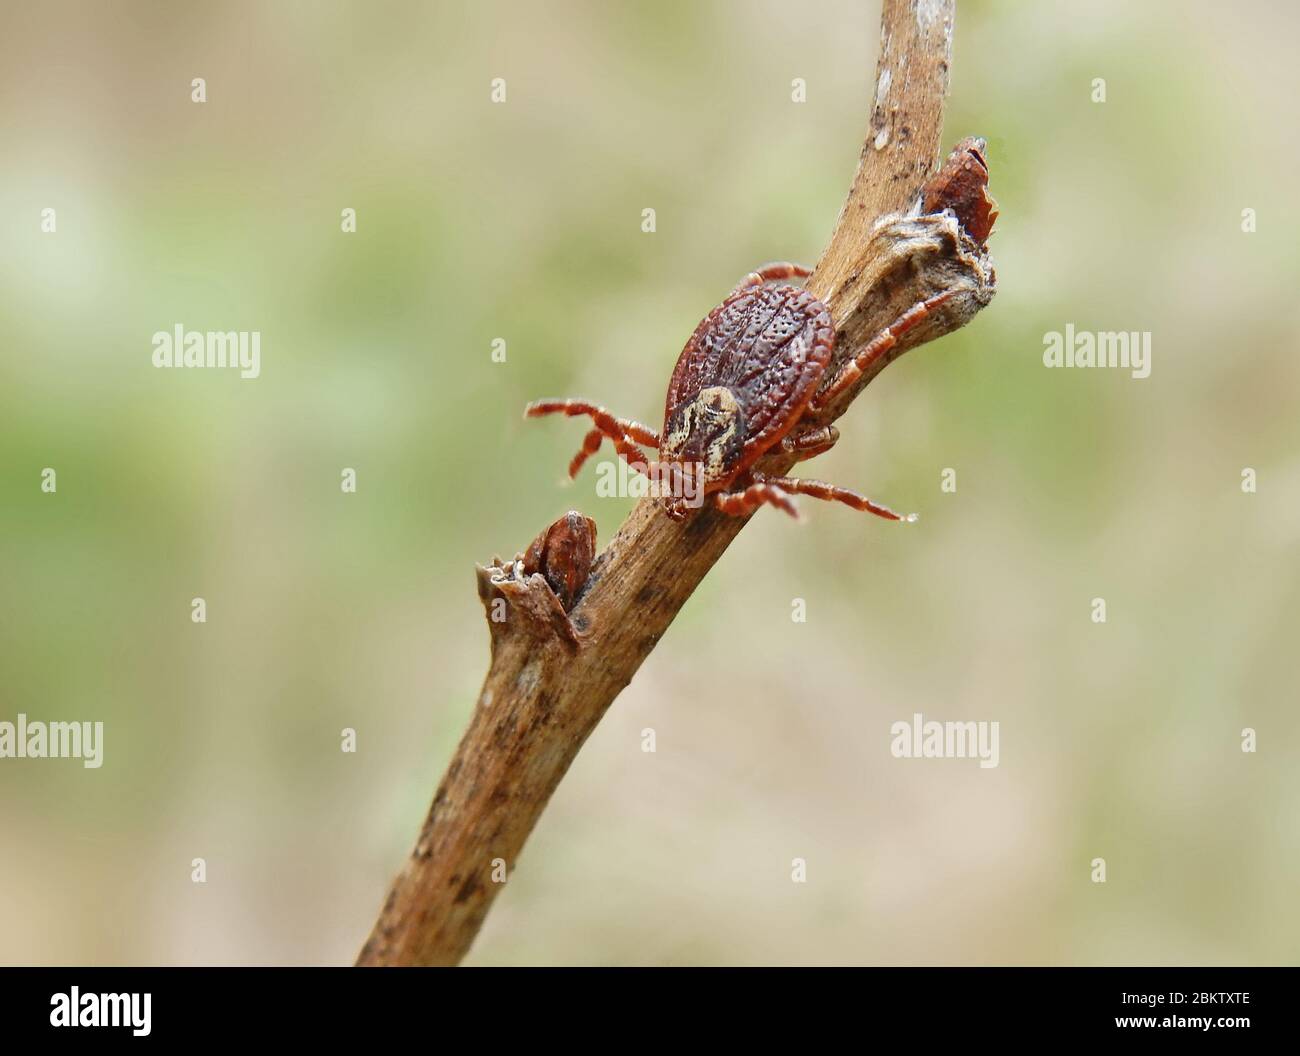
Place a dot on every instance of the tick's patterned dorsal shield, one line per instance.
(744, 378)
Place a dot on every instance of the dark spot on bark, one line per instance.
(502, 731)
(647, 594)
(699, 526)
(468, 890)
(586, 588)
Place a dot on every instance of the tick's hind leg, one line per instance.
(743, 503)
(771, 272)
(820, 490)
(878, 346)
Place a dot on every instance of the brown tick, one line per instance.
(753, 377)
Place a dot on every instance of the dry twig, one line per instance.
(542, 696)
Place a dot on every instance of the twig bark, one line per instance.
(542, 697)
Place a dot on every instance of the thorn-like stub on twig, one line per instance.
(904, 261)
(563, 554)
(961, 186)
(934, 250)
(536, 591)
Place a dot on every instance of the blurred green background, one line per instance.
(522, 221)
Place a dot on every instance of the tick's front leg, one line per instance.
(622, 432)
(608, 424)
(591, 444)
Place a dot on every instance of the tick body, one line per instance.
(743, 388)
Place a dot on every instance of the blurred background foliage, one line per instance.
(522, 221)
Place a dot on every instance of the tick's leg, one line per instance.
(666, 475)
(810, 443)
(819, 490)
(619, 430)
(743, 503)
(591, 444)
(667, 482)
(877, 347)
(771, 272)
(605, 422)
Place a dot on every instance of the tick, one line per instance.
(742, 388)
(754, 376)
